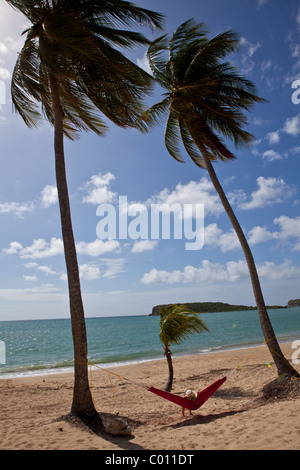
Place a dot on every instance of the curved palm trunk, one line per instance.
(169, 383)
(82, 400)
(283, 366)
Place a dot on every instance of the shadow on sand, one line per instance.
(95, 424)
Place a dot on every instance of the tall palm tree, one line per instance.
(177, 322)
(69, 67)
(205, 100)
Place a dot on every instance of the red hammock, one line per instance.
(187, 402)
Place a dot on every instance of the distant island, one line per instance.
(210, 307)
(294, 303)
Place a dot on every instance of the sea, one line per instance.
(38, 347)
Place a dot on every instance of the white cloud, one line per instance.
(4, 73)
(98, 191)
(16, 208)
(209, 272)
(144, 63)
(298, 16)
(3, 48)
(295, 150)
(21, 294)
(29, 278)
(284, 271)
(260, 122)
(248, 63)
(97, 247)
(12, 44)
(194, 192)
(292, 126)
(206, 273)
(112, 266)
(258, 235)
(261, 3)
(45, 269)
(270, 191)
(49, 195)
(214, 236)
(271, 155)
(89, 272)
(144, 245)
(251, 48)
(40, 248)
(273, 137)
(289, 229)
(14, 248)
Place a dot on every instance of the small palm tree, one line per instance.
(177, 322)
(69, 67)
(206, 98)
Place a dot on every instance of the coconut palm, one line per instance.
(205, 100)
(69, 68)
(177, 322)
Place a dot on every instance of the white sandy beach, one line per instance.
(32, 408)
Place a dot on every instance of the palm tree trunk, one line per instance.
(169, 383)
(283, 366)
(82, 399)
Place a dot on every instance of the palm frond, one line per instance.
(75, 41)
(153, 115)
(189, 36)
(208, 95)
(172, 136)
(209, 54)
(121, 12)
(158, 62)
(177, 323)
(190, 145)
(119, 37)
(185, 42)
(26, 88)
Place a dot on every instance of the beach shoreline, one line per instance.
(32, 408)
(27, 373)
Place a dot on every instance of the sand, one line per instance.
(33, 409)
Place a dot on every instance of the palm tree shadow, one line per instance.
(95, 424)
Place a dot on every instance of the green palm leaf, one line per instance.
(172, 136)
(75, 40)
(177, 323)
(208, 96)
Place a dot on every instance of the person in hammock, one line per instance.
(191, 395)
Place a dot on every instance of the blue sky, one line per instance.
(126, 276)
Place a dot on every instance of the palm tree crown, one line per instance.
(203, 90)
(177, 322)
(73, 40)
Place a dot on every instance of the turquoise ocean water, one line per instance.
(36, 347)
